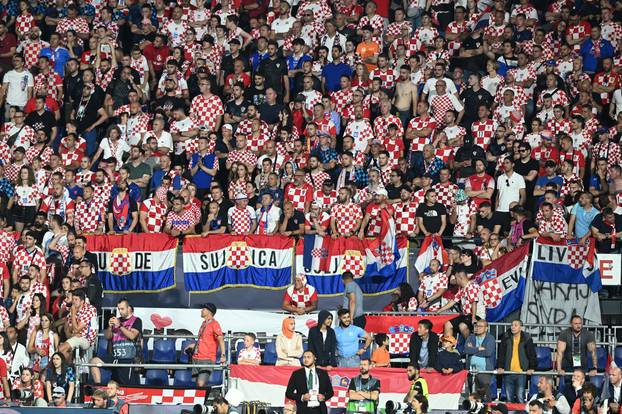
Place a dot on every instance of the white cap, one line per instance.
(381, 191)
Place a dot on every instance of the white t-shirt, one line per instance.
(617, 101)
(17, 92)
(165, 140)
(121, 148)
(509, 187)
(283, 25)
(430, 87)
(268, 220)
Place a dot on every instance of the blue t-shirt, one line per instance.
(583, 219)
(202, 179)
(348, 340)
(478, 362)
(332, 74)
(60, 56)
(543, 180)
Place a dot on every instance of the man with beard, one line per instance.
(348, 336)
(405, 99)
(364, 391)
(169, 100)
(418, 385)
(309, 387)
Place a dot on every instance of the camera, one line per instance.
(25, 397)
(392, 407)
(474, 407)
(203, 409)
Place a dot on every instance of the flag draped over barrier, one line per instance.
(135, 262)
(376, 267)
(220, 261)
(502, 283)
(565, 280)
(431, 248)
(268, 383)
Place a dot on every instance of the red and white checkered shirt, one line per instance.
(31, 50)
(341, 99)
(79, 24)
(496, 32)
(43, 153)
(395, 28)
(325, 201)
(156, 213)
(321, 10)
(387, 77)
(520, 96)
(87, 316)
(316, 179)
(137, 127)
(362, 133)
(26, 196)
(440, 104)
(4, 317)
(417, 124)
(181, 221)
(562, 125)
(381, 126)
(446, 194)
(102, 192)
(565, 190)
(607, 80)
(578, 31)
(468, 296)
(523, 74)
(559, 97)
(104, 79)
(176, 32)
(205, 111)
(432, 284)
(24, 22)
(23, 259)
(48, 84)
(253, 354)
(376, 22)
(611, 31)
(190, 145)
(245, 156)
(346, 216)
(576, 157)
(302, 299)
(241, 220)
(24, 303)
(375, 222)
(71, 157)
(609, 150)
(90, 215)
(464, 212)
(405, 218)
(556, 225)
(63, 206)
(255, 143)
(7, 245)
(426, 35)
(482, 132)
(299, 196)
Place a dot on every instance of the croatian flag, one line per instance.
(268, 384)
(502, 283)
(375, 267)
(431, 248)
(135, 262)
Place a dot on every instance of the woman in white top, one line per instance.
(112, 146)
(289, 344)
(26, 199)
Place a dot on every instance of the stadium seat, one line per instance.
(163, 351)
(215, 379)
(183, 378)
(269, 354)
(617, 356)
(183, 357)
(102, 346)
(157, 377)
(598, 381)
(601, 359)
(533, 385)
(544, 358)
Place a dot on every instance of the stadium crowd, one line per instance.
(491, 121)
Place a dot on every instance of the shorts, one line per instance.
(201, 373)
(24, 214)
(78, 342)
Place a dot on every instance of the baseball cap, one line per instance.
(58, 392)
(210, 307)
(241, 196)
(227, 126)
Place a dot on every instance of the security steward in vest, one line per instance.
(418, 385)
(364, 391)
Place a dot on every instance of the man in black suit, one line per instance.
(424, 347)
(309, 387)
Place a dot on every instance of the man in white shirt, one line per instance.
(268, 215)
(429, 89)
(17, 85)
(511, 186)
(281, 26)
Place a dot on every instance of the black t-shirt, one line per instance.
(273, 71)
(234, 109)
(255, 95)
(431, 216)
(168, 103)
(45, 121)
(86, 112)
(472, 152)
(604, 246)
(294, 222)
(489, 223)
(472, 101)
(524, 168)
(270, 113)
(394, 192)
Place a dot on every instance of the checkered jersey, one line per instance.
(375, 218)
(381, 126)
(79, 24)
(562, 125)
(155, 214)
(387, 77)
(316, 179)
(346, 216)
(176, 32)
(609, 150)
(405, 218)
(325, 201)
(482, 132)
(26, 196)
(24, 303)
(300, 299)
(241, 220)
(255, 143)
(417, 124)
(455, 132)
(102, 192)
(440, 105)
(104, 79)
(559, 97)
(395, 29)
(556, 225)
(574, 79)
(87, 316)
(326, 126)
(31, 49)
(23, 259)
(299, 196)
(7, 245)
(611, 31)
(181, 221)
(321, 10)
(565, 190)
(578, 31)
(426, 35)
(245, 156)
(376, 22)
(362, 133)
(89, 216)
(48, 84)
(496, 33)
(205, 111)
(4, 317)
(543, 154)
(253, 354)
(245, 127)
(341, 99)
(43, 153)
(607, 80)
(191, 144)
(64, 207)
(24, 22)
(467, 296)
(464, 212)
(430, 285)
(520, 97)
(576, 157)
(446, 194)
(523, 74)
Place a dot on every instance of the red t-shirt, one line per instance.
(50, 104)
(383, 7)
(157, 56)
(208, 340)
(6, 44)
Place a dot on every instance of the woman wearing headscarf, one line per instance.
(289, 344)
(323, 342)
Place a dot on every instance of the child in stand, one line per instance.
(250, 354)
(448, 360)
(380, 357)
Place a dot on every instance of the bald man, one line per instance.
(614, 393)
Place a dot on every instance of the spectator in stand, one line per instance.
(322, 341)
(511, 188)
(124, 334)
(250, 354)
(210, 339)
(573, 346)
(551, 401)
(517, 353)
(92, 284)
(606, 228)
(353, 299)
(348, 336)
(27, 382)
(59, 375)
(431, 215)
(300, 298)
(612, 391)
(403, 299)
(381, 357)
(115, 403)
(423, 347)
(80, 326)
(449, 359)
(288, 344)
(573, 390)
(480, 351)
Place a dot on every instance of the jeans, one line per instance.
(349, 362)
(515, 388)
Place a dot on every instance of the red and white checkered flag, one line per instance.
(120, 262)
(238, 256)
